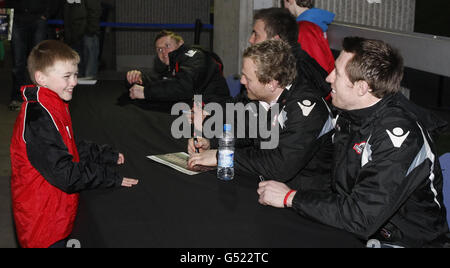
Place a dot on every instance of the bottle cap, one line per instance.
(227, 127)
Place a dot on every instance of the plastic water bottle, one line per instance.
(225, 161)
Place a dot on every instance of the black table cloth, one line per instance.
(167, 208)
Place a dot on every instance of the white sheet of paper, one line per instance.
(177, 161)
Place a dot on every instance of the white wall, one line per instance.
(396, 15)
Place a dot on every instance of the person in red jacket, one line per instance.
(48, 167)
(312, 27)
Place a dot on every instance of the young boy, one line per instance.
(48, 168)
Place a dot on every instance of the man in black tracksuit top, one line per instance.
(190, 71)
(387, 182)
(303, 154)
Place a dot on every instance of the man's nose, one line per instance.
(251, 40)
(330, 78)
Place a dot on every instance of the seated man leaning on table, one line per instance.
(184, 71)
(387, 181)
(303, 155)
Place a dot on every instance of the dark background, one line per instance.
(432, 17)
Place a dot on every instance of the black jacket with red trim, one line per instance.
(387, 181)
(303, 156)
(192, 71)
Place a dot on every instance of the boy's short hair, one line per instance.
(274, 61)
(45, 54)
(305, 3)
(375, 62)
(171, 34)
(278, 21)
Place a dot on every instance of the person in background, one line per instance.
(29, 28)
(49, 168)
(187, 71)
(387, 180)
(81, 32)
(312, 27)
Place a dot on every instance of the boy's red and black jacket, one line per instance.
(49, 169)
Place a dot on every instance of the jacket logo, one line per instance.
(191, 53)
(306, 106)
(282, 118)
(359, 147)
(397, 136)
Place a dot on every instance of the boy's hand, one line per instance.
(128, 182)
(121, 159)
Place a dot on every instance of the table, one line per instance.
(169, 209)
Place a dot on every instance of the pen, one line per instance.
(195, 143)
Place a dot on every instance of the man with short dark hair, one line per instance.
(387, 182)
(278, 23)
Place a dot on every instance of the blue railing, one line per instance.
(142, 25)
(198, 26)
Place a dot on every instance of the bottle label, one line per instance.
(226, 158)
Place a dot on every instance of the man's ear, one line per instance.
(180, 43)
(363, 87)
(276, 37)
(40, 78)
(289, 2)
(273, 85)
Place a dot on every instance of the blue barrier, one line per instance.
(141, 25)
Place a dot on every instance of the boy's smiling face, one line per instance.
(61, 78)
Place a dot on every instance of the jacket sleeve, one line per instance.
(386, 180)
(50, 156)
(182, 85)
(297, 142)
(91, 152)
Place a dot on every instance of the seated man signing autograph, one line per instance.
(303, 155)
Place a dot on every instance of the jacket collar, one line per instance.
(173, 56)
(363, 116)
(32, 93)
